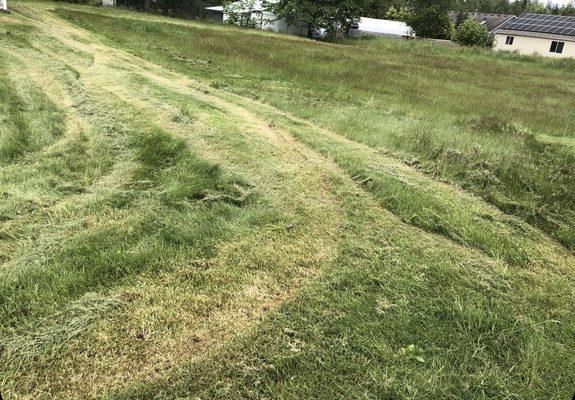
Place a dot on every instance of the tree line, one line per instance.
(368, 8)
(429, 18)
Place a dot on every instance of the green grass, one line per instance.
(197, 211)
(95, 210)
(30, 121)
(463, 115)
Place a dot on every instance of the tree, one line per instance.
(397, 15)
(335, 16)
(347, 13)
(461, 18)
(430, 18)
(241, 13)
(379, 8)
(472, 33)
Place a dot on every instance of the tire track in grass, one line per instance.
(430, 309)
(482, 268)
(248, 143)
(422, 201)
(546, 277)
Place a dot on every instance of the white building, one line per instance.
(382, 27)
(256, 12)
(267, 20)
(540, 34)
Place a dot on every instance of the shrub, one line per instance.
(472, 33)
(430, 19)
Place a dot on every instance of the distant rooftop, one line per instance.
(490, 21)
(542, 23)
(383, 27)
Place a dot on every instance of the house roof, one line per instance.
(542, 23)
(490, 21)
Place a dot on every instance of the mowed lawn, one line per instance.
(501, 126)
(192, 210)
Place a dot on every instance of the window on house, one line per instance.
(509, 40)
(557, 47)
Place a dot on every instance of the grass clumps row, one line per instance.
(167, 163)
(108, 204)
(29, 120)
(398, 314)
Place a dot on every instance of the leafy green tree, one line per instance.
(347, 13)
(300, 12)
(461, 18)
(240, 13)
(335, 16)
(379, 8)
(472, 33)
(430, 18)
(397, 15)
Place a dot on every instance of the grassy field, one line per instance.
(198, 211)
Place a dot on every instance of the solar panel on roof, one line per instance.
(554, 24)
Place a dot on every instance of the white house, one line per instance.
(541, 34)
(382, 27)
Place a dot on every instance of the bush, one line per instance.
(472, 33)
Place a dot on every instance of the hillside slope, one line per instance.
(192, 211)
